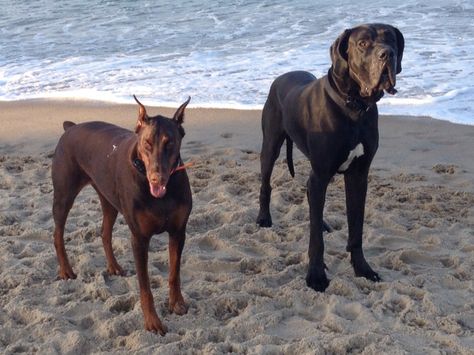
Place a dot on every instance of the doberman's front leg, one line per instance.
(316, 277)
(140, 246)
(356, 191)
(176, 301)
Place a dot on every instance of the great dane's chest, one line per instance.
(354, 153)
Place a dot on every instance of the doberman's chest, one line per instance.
(154, 216)
(151, 222)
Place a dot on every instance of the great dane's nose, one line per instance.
(385, 53)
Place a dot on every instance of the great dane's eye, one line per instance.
(363, 43)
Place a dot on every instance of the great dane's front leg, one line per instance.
(140, 246)
(176, 301)
(316, 277)
(356, 191)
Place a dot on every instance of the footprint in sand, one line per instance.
(394, 303)
(206, 221)
(250, 266)
(121, 304)
(349, 311)
(226, 307)
(209, 244)
(445, 169)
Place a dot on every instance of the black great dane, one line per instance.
(333, 121)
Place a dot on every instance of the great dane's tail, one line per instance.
(289, 156)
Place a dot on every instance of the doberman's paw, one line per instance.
(178, 308)
(154, 325)
(317, 281)
(66, 274)
(115, 270)
(264, 221)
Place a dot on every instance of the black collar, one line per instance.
(352, 105)
(140, 165)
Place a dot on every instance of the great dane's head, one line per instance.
(368, 57)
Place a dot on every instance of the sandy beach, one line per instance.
(245, 285)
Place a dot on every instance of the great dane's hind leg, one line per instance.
(273, 138)
(316, 277)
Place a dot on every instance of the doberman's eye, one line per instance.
(169, 145)
(148, 146)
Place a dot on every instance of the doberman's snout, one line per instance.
(156, 178)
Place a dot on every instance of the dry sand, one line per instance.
(245, 285)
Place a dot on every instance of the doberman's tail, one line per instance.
(289, 156)
(68, 124)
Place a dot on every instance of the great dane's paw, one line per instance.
(317, 281)
(264, 221)
(363, 269)
(369, 275)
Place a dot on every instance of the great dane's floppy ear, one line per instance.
(339, 54)
(179, 114)
(142, 115)
(400, 48)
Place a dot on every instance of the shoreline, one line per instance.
(415, 143)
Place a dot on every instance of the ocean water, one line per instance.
(226, 53)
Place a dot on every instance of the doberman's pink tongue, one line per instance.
(157, 191)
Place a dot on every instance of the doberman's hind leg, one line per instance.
(66, 187)
(273, 138)
(109, 216)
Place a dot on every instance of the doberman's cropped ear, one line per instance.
(400, 48)
(142, 115)
(179, 114)
(339, 54)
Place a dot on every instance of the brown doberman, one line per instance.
(138, 174)
(333, 121)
